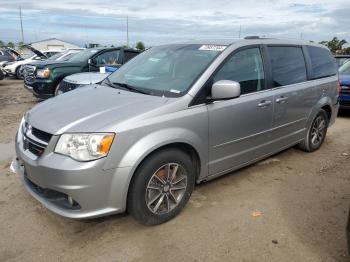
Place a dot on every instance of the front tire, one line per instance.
(316, 133)
(18, 73)
(161, 187)
(58, 91)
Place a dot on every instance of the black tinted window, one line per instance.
(245, 67)
(322, 62)
(129, 55)
(288, 65)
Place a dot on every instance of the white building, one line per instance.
(52, 44)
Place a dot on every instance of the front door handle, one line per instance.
(264, 103)
(281, 99)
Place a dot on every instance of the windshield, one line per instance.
(54, 57)
(83, 56)
(345, 68)
(166, 70)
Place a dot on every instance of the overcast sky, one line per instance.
(155, 21)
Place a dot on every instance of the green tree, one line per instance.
(2, 44)
(20, 45)
(335, 45)
(10, 44)
(140, 45)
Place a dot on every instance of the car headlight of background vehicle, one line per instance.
(43, 73)
(85, 147)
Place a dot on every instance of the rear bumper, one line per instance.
(344, 100)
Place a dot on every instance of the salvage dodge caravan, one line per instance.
(174, 116)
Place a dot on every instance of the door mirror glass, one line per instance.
(225, 89)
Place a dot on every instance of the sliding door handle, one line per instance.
(264, 103)
(281, 99)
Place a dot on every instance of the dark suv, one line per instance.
(43, 78)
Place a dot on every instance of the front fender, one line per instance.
(157, 139)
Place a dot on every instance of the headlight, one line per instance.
(43, 73)
(84, 147)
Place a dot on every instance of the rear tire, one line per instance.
(161, 186)
(316, 133)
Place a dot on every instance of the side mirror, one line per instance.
(89, 61)
(225, 89)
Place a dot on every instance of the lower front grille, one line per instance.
(53, 196)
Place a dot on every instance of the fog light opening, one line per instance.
(70, 201)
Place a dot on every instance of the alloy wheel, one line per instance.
(166, 188)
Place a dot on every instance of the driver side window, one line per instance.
(245, 67)
(107, 58)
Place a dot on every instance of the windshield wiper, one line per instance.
(109, 83)
(129, 87)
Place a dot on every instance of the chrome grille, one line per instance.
(35, 140)
(29, 73)
(67, 86)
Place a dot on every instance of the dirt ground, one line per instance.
(304, 200)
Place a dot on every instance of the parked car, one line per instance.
(64, 56)
(13, 68)
(43, 79)
(174, 116)
(8, 55)
(344, 81)
(341, 59)
(74, 81)
(2, 74)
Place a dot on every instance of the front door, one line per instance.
(239, 128)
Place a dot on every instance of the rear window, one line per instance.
(288, 65)
(322, 62)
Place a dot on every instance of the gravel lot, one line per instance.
(304, 199)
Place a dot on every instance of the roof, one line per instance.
(50, 39)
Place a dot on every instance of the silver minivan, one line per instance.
(174, 116)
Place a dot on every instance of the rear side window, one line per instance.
(322, 62)
(288, 65)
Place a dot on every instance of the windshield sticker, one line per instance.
(217, 48)
(175, 91)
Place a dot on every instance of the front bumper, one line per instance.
(41, 88)
(51, 178)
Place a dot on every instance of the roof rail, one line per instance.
(252, 37)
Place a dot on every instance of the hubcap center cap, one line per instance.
(166, 188)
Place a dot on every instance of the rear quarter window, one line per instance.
(323, 63)
(288, 65)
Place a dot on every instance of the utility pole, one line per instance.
(301, 36)
(240, 31)
(20, 17)
(127, 31)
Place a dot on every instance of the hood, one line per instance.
(90, 109)
(53, 63)
(344, 79)
(86, 78)
(13, 52)
(35, 51)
